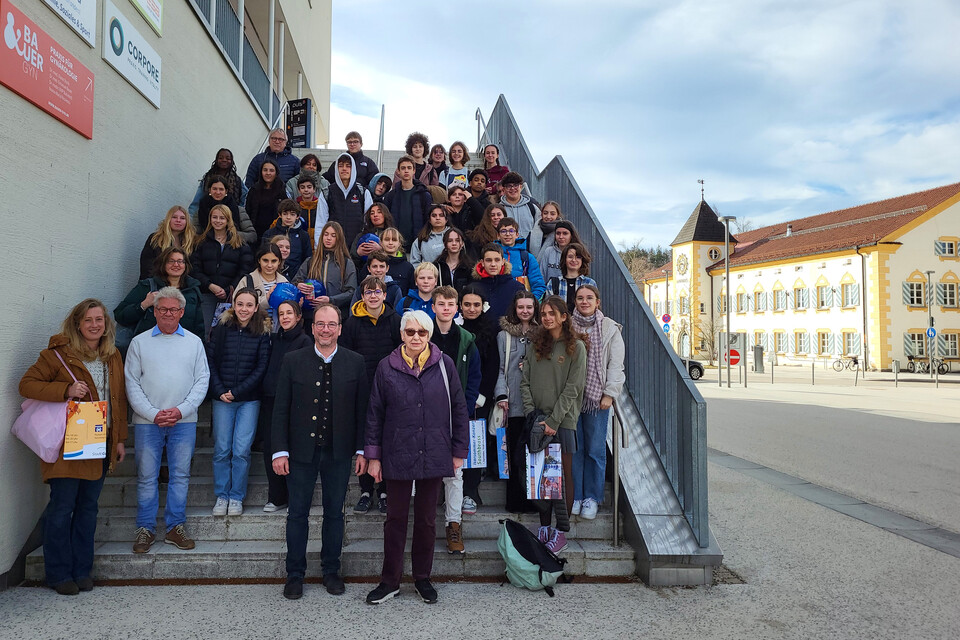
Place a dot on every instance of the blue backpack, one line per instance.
(530, 564)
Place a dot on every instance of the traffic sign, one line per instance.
(665, 317)
(666, 327)
(734, 357)
(931, 333)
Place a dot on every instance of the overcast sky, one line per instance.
(785, 108)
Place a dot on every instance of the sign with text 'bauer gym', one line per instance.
(35, 66)
(127, 51)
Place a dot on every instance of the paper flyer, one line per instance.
(86, 435)
(545, 474)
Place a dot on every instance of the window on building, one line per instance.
(722, 304)
(851, 295)
(951, 345)
(913, 294)
(823, 343)
(824, 297)
(803, 342)
(669, 307)
(714, 253)
(658, 309)
(780, 341)
(801, 298)
(703, 308)
(945, 248)
(947, 294)
(850, 343)
(916, 345)
(684, 305)
(758, 338)
(780, 300)
(759, 301)
(742, 303)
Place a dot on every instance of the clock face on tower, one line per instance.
(682, 265)
(714, 253)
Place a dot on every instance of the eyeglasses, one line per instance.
(277, 139)
(512, 186)
(508, 230)
(373, 292)
(176, 262)
(353, 142)
(415, 332)
(326, 325)
(167, 311)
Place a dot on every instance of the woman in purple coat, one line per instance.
(417, 428)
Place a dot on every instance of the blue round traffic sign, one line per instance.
(931, 333)
(666, 327)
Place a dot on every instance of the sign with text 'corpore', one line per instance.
(128, 52)
(35, 66)
(80, 15)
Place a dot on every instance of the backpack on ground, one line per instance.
(530, 564)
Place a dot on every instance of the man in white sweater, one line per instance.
(167, 376)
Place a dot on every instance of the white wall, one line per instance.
(75, 212)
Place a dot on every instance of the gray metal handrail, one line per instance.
(671, 409)
(620, 440)
(383, 115)
(481, 127)
(276, 123)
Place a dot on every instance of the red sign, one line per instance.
(35, 66)
(734, 357)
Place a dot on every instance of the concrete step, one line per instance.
(264, 560)
(122, 492)
(118, 524)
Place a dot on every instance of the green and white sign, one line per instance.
(152, 12)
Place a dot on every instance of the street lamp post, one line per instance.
(726, 220)
(929, 300)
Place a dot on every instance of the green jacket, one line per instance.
(555, 384)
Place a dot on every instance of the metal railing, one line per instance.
(620, 440)
(672, 410)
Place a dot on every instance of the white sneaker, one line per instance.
(270, 507)
(589, 509)
(235, 508)
(469, 506)
(543, 534)
(220, 508)
(576, 508)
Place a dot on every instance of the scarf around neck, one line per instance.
(596, 374)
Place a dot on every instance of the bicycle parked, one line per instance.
(922, 365)
(852, 363)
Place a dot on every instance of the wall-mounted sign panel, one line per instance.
(152, 12)
(35, 66)
(125, 50)
(80, 15)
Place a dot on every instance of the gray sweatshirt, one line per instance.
(165, 371)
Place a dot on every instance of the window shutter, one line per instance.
(941, 293)
(807, 294)
(791, 343)
(906, 293)
(939, 248)
(941, 344)
(856, 294)
(857, 344)
(718, 304)
(830, 296)
(908, 348)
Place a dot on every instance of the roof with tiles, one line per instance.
(862, 225)
(702, 226)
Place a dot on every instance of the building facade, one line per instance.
(833, 286)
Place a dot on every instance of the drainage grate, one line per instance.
(725, 575)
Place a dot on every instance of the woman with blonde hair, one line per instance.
(221, 258)
(174, 230)
(86, 346)
(331, 264)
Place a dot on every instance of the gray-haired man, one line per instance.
(278, 152)
(167, 376)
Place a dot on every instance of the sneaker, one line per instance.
(363, 504)
(558, 542)
(426, 591)
(469, 506)
(143, 541)
(178, 537)
(235, 508)
(67, 588)
(220, 508)
(85, 584)
(381, 594)
(293, 589)
(454, 538)
(382, 504)
(589, 510)
(575, 511)
(272, 508)
(543, 534)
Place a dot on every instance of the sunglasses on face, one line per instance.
(415, 332)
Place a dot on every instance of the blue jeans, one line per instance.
(179, 441)
(70, 522)
(590, 458)
(234, 426)
(334, 475)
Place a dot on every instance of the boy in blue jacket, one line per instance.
(290, 224)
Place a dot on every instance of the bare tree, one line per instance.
(708, 330)
(742, 225)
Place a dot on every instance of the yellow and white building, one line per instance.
(852, 282)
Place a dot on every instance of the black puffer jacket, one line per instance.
(262, 204)
(238, 357)
(460, 279)
(373, 341)
(282, 343)
(485, 331)
(220, 266)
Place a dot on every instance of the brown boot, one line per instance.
(178, 537)
(143, 541)
(454, 538)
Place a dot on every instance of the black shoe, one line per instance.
(382, 505)
(334, 584)
(381, 594)
(67, 588)
(85, 584)
(426, 591)
(293, 589)
(363, 504)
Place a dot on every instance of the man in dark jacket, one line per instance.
(366, 167)
(408, 201)
(373, 331)
(348, 199)
(278, 152)
(314, 435)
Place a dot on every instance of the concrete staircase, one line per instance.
(251, 547)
